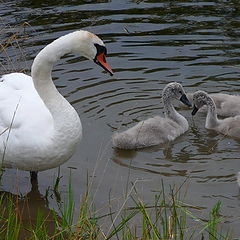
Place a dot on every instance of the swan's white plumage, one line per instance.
(17, 94)
(39, 129)
(25, 122)
(156, 130)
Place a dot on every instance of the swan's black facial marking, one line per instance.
(100, 58)
(100, 49)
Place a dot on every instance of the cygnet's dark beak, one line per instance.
(194, 111)
(185, 100)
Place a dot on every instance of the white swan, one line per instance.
(229, 126)
(226, 105)
(39, 129)
(156, 130)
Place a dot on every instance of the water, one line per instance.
(149, 45)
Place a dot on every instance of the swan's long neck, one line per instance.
(170, 110)
(211, 119)
(42, 69)
(62, 112)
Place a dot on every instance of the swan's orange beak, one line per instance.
(101, 61)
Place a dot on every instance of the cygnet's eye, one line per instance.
(180, 91)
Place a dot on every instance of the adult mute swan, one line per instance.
(228, 126)
(39, 129)
(156, 130)
(227, 105)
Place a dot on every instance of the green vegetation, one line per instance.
(167, 217)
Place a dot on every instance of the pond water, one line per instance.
(150, 44)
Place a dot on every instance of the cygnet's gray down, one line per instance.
(226, 105)
(228, 126)
(156, 130)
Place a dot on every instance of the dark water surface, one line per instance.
(150, 44)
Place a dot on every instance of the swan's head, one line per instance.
(175, 90)
(92, 47)
(200, 98)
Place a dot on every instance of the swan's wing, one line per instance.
(21, 108)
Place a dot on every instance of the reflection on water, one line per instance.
(30, 210)
(150, 43)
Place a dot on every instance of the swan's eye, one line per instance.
(180, 91)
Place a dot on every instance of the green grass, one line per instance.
(167, 217)
(9, 222)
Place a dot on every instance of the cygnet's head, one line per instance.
(175, 90)
(92, 47)
(200, 98)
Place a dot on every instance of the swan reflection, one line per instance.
(29, 209)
